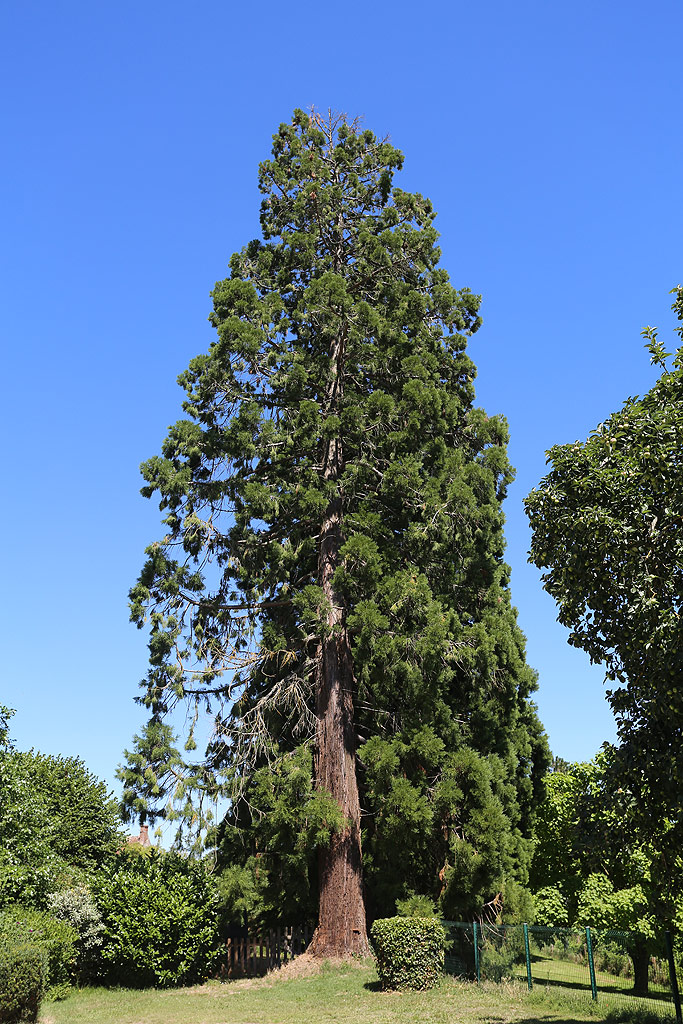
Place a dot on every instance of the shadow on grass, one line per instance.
(603, 990)
(373, 986)
(552, 1017)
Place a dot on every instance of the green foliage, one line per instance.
(551, 907)
(415, 905)
(22, 982)
(501, 948)
(598, 867)
(606, 530)
(241, 895)
(85, 823)
(564, 830)
(27, 861)
(450, 749)
(601, 906)
(5, 716)
(443, 828)
(610, 957)
(409, 951)
(290, 822)
(158, 783)
(160, 918)
(55, 940)
(518, 905)
(498, 962)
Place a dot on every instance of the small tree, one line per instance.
(160, 782)
(86, 828)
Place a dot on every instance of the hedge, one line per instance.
(54, 940)
(409, 950)
(22, 982)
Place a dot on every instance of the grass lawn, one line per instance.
(348, 994)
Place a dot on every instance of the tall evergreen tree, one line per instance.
(332, 571)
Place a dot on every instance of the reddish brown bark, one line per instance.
(341, 918)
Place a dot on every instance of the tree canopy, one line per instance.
(57, 821)
(606, 524)
(331, 575)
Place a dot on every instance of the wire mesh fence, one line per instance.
(611, 967)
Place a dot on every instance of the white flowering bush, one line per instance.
(77, 908)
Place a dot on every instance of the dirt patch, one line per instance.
(302, 966)
(307, 966)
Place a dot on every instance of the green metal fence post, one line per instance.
(477, 966)
(672, 976)
(591, 965)
(528, 956)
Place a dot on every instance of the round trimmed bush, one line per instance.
(409, 951)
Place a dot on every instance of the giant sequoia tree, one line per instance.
(332, 573)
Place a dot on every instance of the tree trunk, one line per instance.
(641, 963)
(341, 917)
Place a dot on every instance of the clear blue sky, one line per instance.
(549, 138)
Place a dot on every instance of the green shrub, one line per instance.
(416, 905)
(613, 959)
(27, 884)
(409, 950)
(501, 950)
(161, 923)
(54, 940)
(22, 982)
(550, 906)
(497, 964)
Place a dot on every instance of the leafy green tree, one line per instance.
(27, 862)
(565, 847)
(86, 828)
(606, 530)
(332, 573)
(5, 716)
(58, 824)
